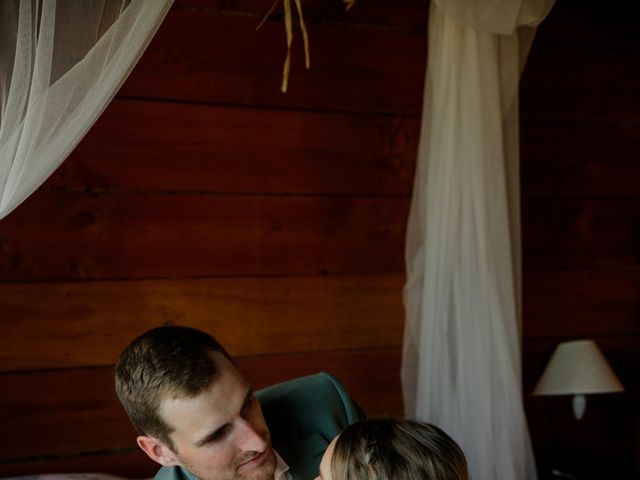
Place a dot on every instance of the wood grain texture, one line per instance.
(560, 82)
(134, 146)
(560, 233)
(138, 145)
(356, 111)
(205, 56)
(580, 159)
(581, 227)
(584, 24)
(130, 463)
(65, 420)
(81, 324)
(89, 323)
(404, 14)
(587, 303)
(165, 235)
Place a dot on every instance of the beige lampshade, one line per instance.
(577, 367)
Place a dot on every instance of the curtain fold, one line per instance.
(61, 63)
(461, 358)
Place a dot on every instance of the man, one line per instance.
(198, 417)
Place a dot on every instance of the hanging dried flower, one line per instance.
(288, 25)
(348, 3)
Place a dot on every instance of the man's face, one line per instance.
(221, 434)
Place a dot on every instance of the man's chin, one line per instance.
(261, 468)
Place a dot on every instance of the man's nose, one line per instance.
(248, 438)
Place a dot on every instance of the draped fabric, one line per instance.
(61, 62)
(461, 359)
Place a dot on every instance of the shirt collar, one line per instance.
(282, 469)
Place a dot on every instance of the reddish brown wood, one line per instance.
(371, 376)
(61, 412)
(560, 233)
(157, 145)
(79, 236)
(581, 230)
(89, 323)
(131, 463)
(588, 303)
(205, 56)
(404, 14)
(65, 412)
(585, 24)
(580, 159)
(562, 82)
(580, 88)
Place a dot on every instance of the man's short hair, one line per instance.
(164, 361)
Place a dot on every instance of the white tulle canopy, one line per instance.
(61, 62)
(461, 359)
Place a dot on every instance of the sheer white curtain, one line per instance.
(61, 62)
(461, 360)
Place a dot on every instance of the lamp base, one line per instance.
(556, 474)
(579, 406)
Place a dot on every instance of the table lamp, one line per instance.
(578, 368)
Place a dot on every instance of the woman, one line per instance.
(387, 449)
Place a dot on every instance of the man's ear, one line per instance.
(157, 450)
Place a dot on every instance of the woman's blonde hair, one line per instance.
(388, 449)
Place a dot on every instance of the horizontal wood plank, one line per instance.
(371, 376)
(84, 324)
(580, 159)
(561, 82)
(90, 323)
(579, 94)
(563, 233)
(76, 324)
(56, 235)
(70, 411)
(130, 463)
(138, 145)
(584, 24)
(134, 146)
(204, 56)
(586, 303)
(401, 14)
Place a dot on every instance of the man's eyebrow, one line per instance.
(247, 397)
(213, 435)
(218, 431)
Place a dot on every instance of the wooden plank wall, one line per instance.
(581, 227)
(205, 197)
